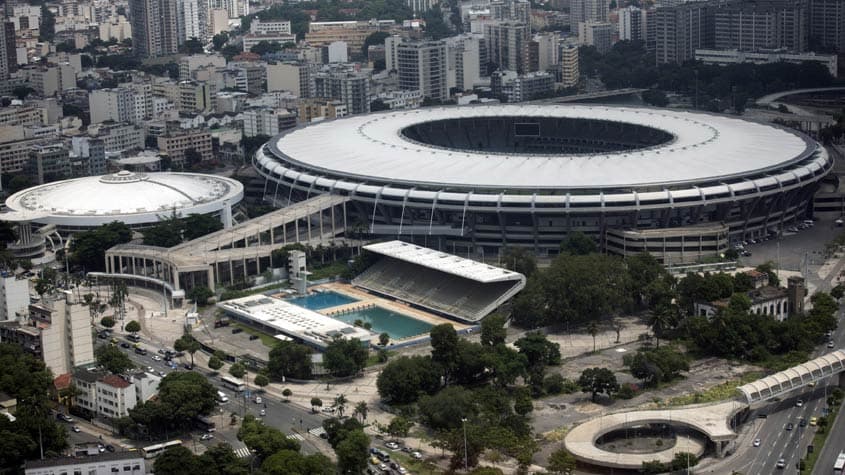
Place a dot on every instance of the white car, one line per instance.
(416, 455)
(150, 369)
(258, 400)
(781, 463)
(799, 403)
(391, 445)
(207, 437)
(76, 429)
(756, 442)
(156, 358)
(262, 412)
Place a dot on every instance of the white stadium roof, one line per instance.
(443, 262)
(134, 198)
(705, 148)
(293, 321)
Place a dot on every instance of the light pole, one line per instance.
(466, 457)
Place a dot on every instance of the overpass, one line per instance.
(591, 96)
(232, 255)
(715, 422)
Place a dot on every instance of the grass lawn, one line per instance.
(265, 338)
(372, 359)
(328, 270)
(417, 467)
(721, 392)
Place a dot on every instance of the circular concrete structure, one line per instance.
(528, 174)
(137, 199)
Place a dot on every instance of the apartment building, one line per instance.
(422, 66)
(508, 45)
(174, 144)
(126, 463)
(353, 33)
(265, 121)
(294, 77)
(14, 295)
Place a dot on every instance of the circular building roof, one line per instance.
(133, 198)
(536, 147)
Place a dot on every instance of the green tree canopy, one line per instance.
(133, 327)
(493, 331)
(598, 380)
(291, 360)
(345, 357)
(578, 244)
(114, 360)
(88, 248)
(404, 379)
(263, 439)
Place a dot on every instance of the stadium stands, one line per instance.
(440, 282)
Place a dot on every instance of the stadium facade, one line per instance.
(679, 184)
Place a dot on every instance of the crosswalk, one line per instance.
(295, 437)
(317, 431)
(243, 452)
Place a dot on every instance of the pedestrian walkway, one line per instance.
(295, 437)
(317, 431)
(243, 452)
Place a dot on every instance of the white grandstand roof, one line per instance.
(443, 262)
(134, 198)
(706, 147)
(293, 321)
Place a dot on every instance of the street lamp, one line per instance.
(466, 457)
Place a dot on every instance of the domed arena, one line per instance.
(137, 199)
(681, 185)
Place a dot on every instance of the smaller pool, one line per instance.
(395, 324)
(321, 300)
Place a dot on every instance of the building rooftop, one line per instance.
(704, 148)
(291, 320)
(443, 262)
(115, 381)
(104, 457)
(133, 198)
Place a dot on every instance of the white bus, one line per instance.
(222, 397)
(839, 465)
(234, 384)
(158, 449)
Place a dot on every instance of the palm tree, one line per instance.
(340, 403)
(593, 330)
(361, 410)
(659, 321)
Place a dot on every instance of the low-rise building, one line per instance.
(766, 300)
(175, 144)
(525, 87)
(725, 57)
(124, 463)
(313, 110)
(267, 122)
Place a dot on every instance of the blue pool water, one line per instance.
(321, 300)
(395, 324)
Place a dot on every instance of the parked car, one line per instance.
(391, 445)
(156, 358)
(416, 455)
(109, 447)
(76, 429)
(207, 437)
(831, 344)
(124, 344)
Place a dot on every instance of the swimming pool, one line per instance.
(321, 300)
(395, 324)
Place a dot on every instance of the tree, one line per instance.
(444, 348)
(445, 409)
(406, 378)
(286, 462)
(177, 460)
(88, 248)
(287, 393)
(768, 268)
(114, 360)
(263, 439)
(518, 259)
(315, 403)
(593, 330)
(655, 97)
(598, 380)
(219, 40)
(493, 331)
(133, 327)
(215, 363)
(361, 410)
(577, 244)
(191, 46)
(237, 370)
(47, 27)
(353, 452)
(345, 357)
(21, 92)
(266, 47)
(262, 381)
(561, 462)
(383, 339)
(200, 294)
(538, 349)
(399, 426)
(288, 359)
(375, 38)
(340, 404)
(107, 322)
(657, 365)
(187, 343)
(192, 157)
(199, 225)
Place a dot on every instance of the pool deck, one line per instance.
(366, 299)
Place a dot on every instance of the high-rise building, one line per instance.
(294, 77)
(467, 61)
(508, 45)
(598, 35)
(765, 24)
(511, 10)
(391, 45)
(155, 27)
(350, 88)
(570, 71)
(545, 51)
(581, 11)
(679, 31)
(827, 24)
(14, 296)
(419, 6)
(422, 67)
(632, 24)
(8, 56)
(193, 20)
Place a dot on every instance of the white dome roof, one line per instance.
(134, 198)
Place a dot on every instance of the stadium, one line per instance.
(470, 180)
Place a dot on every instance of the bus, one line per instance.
(158, 449)
(839, 465)
(204, 423)
(234, 384)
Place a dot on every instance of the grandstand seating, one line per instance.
(441, 292)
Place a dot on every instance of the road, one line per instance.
(288, 418)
